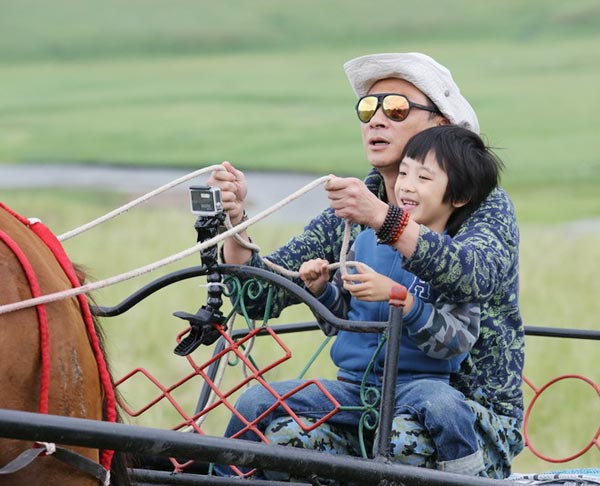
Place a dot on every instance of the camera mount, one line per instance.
(205, 322)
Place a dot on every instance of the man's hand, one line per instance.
(353, 201)
(232, 183)
(315, 275)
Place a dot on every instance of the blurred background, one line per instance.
(168, 87)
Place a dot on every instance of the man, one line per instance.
(476, 265)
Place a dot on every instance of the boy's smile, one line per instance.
(420, 189)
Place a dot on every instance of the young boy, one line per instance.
(445, 174)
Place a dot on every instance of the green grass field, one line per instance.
(191, 83)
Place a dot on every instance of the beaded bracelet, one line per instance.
(401, 227)
(393, 220)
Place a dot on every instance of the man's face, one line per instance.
(384, 139)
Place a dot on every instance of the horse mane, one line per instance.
(121, 461)
(83, 273)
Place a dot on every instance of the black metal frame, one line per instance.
(168, 443)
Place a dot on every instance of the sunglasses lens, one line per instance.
(366, 108)
(396, 107)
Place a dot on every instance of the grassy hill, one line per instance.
(90, 29)
(261, 84)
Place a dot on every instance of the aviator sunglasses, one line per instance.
(395, 106)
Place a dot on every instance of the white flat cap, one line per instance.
(433, 79)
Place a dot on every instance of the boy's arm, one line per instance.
(443, 329)
(334, 299)
(475, 262)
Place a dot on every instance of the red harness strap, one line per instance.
(42, 319)
(50, 240)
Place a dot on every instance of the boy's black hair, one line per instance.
(473, 169)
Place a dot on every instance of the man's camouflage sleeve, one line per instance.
(322, 238)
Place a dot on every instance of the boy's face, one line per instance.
(420, 189)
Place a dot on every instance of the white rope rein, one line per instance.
(231, 231)
(342, 264)
(136, 202)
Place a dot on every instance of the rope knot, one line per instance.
(50, 447)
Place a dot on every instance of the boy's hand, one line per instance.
(368, 286)
(315, 275)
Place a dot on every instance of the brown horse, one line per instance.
(51, 358)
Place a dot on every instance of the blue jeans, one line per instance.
(440, 408)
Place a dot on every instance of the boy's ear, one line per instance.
(459, 204)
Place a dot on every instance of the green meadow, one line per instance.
(192, 83)
(189, 84)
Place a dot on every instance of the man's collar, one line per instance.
(375, 184)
